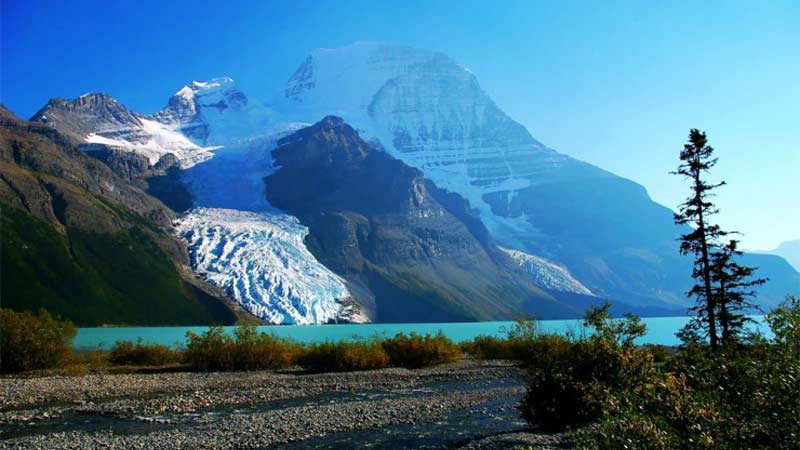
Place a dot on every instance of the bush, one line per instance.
(79, 363)
(740, 397)
(140, 354)
(344, 356)
(210, 351)
(29, 341)
(415, 351)
(489, 347)
(214, 350)
(515, 345)
(569, 381)
(255, 351)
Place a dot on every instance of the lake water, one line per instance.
(660, 330)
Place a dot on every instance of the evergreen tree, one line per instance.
(696, 160)
(733, 289)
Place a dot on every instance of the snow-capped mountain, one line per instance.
(101, 119)
(215, 112)
(571, 226)
(430, 112)
(237, 241)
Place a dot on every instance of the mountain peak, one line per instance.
(333, 123)
(331, 140)
(214, 83)
(199, 103)
(89, 113)
(354, 73)
(222, 87)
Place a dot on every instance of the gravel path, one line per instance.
(258, 409)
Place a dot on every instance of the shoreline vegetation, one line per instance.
(599, 388)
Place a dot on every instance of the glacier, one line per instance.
(261, 261)
(237, 241)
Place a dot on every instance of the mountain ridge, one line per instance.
(582, 228)
(82, 243)
(401, 242)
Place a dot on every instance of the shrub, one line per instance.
(515, 345)
(344, 356)
(740, 397)
(29, 341)
(210, 351)
(79, 363)
(489, 347)
(254, 350)
(415, 351)
(140, 354)
(248, 349)
(569, 381)
(661, 353)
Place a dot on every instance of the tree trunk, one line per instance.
(704, 261)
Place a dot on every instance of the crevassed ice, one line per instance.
(260, 260)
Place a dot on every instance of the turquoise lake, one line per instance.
(660, 330)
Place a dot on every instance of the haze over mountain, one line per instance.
(374, 222)
(789, 250)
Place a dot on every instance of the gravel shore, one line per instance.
(471, 403)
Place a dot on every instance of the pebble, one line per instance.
(221, 410)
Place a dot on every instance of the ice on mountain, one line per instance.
(254, 252)
(547, 273)
(261, 261)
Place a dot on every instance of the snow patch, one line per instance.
(546, 273)
(161, 140)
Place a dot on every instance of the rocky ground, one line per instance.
(468, 404)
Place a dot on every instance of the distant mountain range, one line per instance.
(412, 197)
(789, 250)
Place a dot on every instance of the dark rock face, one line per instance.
(409, 250)
(129, 165)
(162, 180)
(82, 242)
(40, 162)
(105, 116)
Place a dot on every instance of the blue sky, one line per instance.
(617, 84)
